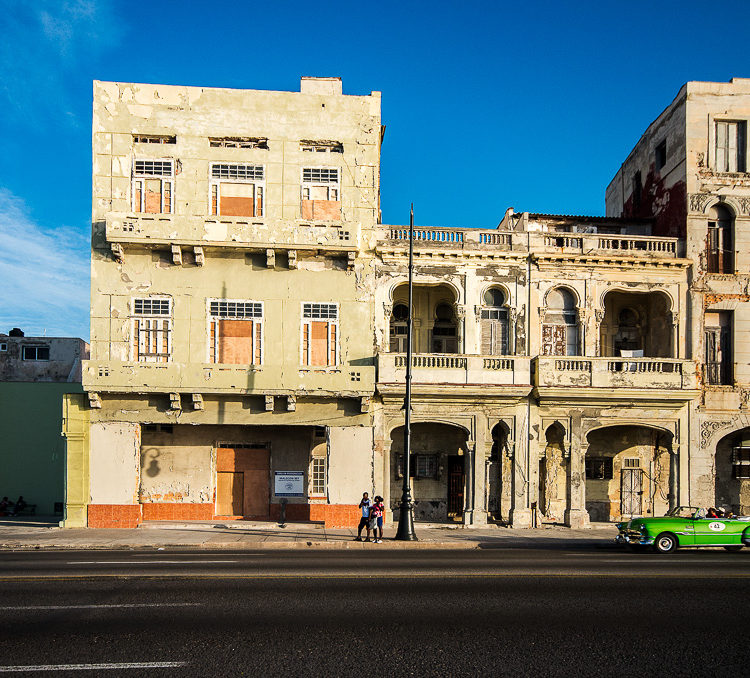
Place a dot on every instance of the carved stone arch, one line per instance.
(500, 286)
(393, 424)
(442, 282)
(635, 290)
(567, 288)
(725, 201)
(639, 423)
(714, 430)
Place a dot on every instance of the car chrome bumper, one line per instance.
(637, 538)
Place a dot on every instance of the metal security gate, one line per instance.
(455, 487)
(631, 491)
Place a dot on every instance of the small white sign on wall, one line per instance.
(289, 483)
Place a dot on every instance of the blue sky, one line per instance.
(487, 104)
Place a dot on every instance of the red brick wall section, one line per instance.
(183, 511)
(114, 515)
(333, 515)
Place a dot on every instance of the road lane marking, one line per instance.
(95, 607)
(382, 575)
(92, 667)
(148, 562)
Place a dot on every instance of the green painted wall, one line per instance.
(32, 450)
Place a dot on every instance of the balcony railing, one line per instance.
(536, 241)
(441, 368)
(230, 231)
(220, 378)
(612, 372)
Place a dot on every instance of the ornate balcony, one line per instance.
(439, 368)
(614, 373)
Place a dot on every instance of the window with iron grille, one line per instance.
(631, 462)
(741, 462)
(423, 466)
(153, 186)
(225, 308)
(154, 139)
(319, 334)
(35, 353)
(599, 468)
(152, 306)
(318, 484)
(235, 332)
(152, 330)
(238, 142)
(321, 197)
(237, 190)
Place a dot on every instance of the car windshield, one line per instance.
(684, 512)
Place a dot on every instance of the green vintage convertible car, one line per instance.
(685, 526)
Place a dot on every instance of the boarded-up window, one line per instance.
(152, 330)
(236, 332)
(560, 331)
(321, 194)
(153, 186)
(553, 340)
(319, 334)
(731, 146)
(237, 189)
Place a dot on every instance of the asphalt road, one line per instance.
(588, 612)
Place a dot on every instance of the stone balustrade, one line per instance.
(613, 372)
(439, 368)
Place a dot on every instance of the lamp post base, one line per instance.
(405, 531)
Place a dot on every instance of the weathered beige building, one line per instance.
(689, 171)
(249, 323)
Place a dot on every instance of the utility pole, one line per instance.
(405, 530)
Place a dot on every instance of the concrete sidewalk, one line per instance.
(25, 533)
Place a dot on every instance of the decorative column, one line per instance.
(599, 320)
(388, 315)
(576, 514)
(469, 482)
(480, 456)
(676, 335)
(461, 327)
(674, 474)
(520, 510)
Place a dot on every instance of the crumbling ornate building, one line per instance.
(249, 323)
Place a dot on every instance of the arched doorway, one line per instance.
(732, 474)
(627, 472)
(435, 323)
(560, 324)
(553, 471)
(499, 475)
(439, 454)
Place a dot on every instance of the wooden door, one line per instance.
(455, 486)
(253, 465)
(229, 493)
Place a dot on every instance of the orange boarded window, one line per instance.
(236, 332)
(237, 190)
(153, 186)
(319, 334)
(320, 194)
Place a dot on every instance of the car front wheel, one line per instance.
(665, 543)
(734, 548)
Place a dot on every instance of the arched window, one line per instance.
(444, 332)
(399, 316)
(720, 241)
(560, 328)
(494, 323)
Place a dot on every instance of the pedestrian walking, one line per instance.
(364, 521)
(378, 511)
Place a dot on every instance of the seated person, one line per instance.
(20, 505)
(4, 504)
(712, 513)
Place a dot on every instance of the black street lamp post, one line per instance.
(405, 530)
